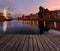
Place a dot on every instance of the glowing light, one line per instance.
(5, 13)
(55, 25)
(44, 24)
(4, 26)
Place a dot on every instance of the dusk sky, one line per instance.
(28, 6)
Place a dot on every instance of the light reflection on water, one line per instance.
(19, 27)
(4, 26)
(24, 27)
(55, 25)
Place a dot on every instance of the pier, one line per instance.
(16, 42)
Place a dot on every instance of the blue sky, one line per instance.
(28, 6)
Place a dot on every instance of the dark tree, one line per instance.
(46, 14)
(43, 13)
(41, 16)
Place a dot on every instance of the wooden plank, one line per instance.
(53, 44)
(46, 48)
(35, 45)
(40, 46)
(57, 37)
(5, 40)
(21, 45)
(1, 36)
(9, 44)
(48, 43)
(56, 42)
(25, 48)
(30, 43)
(16, 44)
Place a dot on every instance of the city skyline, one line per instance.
(28, 6)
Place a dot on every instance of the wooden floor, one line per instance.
(29, 43)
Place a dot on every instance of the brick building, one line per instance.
(54, 14)
(2, 18)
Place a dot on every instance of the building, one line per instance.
(58, 14)
(2, 18)
(29, 17)
(54, 14)
(9, 16)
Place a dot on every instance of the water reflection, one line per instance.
(29, 22)
(52, 25)
(44, 24)
(24, 27)
(18, 27)
(4, 26)
(55, 24)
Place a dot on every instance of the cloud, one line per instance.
(7, 4)
(51, 4)
(28, 6)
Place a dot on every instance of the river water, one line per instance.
(24, 27)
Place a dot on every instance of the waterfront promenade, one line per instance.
(36, 42)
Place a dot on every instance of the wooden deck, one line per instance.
(29, 43)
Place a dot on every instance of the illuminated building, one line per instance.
(2, 18)
(54, 14)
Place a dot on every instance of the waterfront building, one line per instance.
(58, 14)
(54, 14)
(3, 18)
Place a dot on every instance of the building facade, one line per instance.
(54, 14)
(2, 18)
